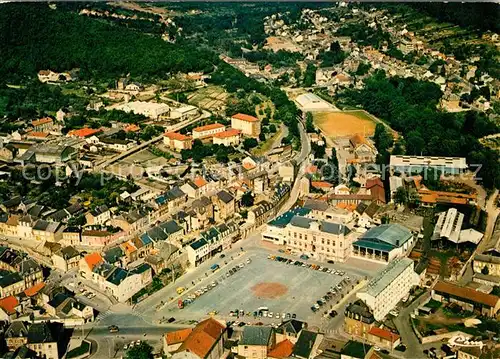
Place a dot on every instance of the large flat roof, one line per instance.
(390, 234)
(387, 276)
(437, 161)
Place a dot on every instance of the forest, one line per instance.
(34, 38)
(409, 107)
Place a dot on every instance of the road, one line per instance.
(408, 336)
(493, 212)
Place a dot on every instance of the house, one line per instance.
(43, 125)
(177, 141)
(84, 132)
(492, 263)
(47, 231)
(9, 308)
(358, 319)
(282, 350)
(261, 212)
(290, 330)
(71, 236)
(375, 187)
(248, 125)
(322, 185)
(66, 258)
(175, 198)
(307, 346)
(191, 189)
(95, 238)
(43, 338)
(230, 137)
(173, 340)
(116, 144)
(224, 206)
(256, 342)
(280, 154)
(98, 216)
(208, 130)
(341, 189)
(206, 341)
(363, 151)
(16, 335)
(388, 287)
(132, 221)
(383, 338)
(87, 264)
(356, 350)
(367, 214)
(467, 298)
(287, 171)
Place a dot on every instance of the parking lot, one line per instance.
(285, 288)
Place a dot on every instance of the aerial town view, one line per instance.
(212, 180)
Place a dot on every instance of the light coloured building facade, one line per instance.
(321, 240)
(447, 165)
(388, 287)
(228, 138)
(488, 261)
(248, 125)
(208, 130)
(177, 141)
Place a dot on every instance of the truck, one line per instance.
(214, 267)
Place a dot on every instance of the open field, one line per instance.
(209, 98)
(341, 124)
(283, 288)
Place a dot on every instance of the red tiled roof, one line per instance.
(38, 134)
(93, 259)
(132, 128)
(466, 293)
(376, 187)
(282, 350)
(212, 126)
(30, 292)
(178, 336)
(384, 334)
(42, 121)
(83, 132)
(321, 184)
(228, 133)
(203, 337)
(200, 182)
(244, 117)
(8, 304)
(177, 136)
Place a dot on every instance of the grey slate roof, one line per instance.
(225, 196)
(256, 335)
(304, 344)
(324, 226)
(40, 333)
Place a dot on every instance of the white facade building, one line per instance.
(392, 284)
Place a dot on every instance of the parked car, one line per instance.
(113, 329)
(171, 320)
(294, 316)
(330, 261)
(304, 257)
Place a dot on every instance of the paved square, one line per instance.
(297, 289)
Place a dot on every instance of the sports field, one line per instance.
(341, 124)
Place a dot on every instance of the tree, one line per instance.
(310, 75)
(247, 199)
(401, 196)
(272, 128)
(262, 136)
(485, 270)
(141, 351)
(249, 143)
(309, 123)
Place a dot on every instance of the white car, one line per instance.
(316, 305)
(249, 261)
(278, 316)
(283, 315)
(242, 265)
(270, 314)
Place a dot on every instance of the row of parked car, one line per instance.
(307, 265)
(332, 293)
(192, 297)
